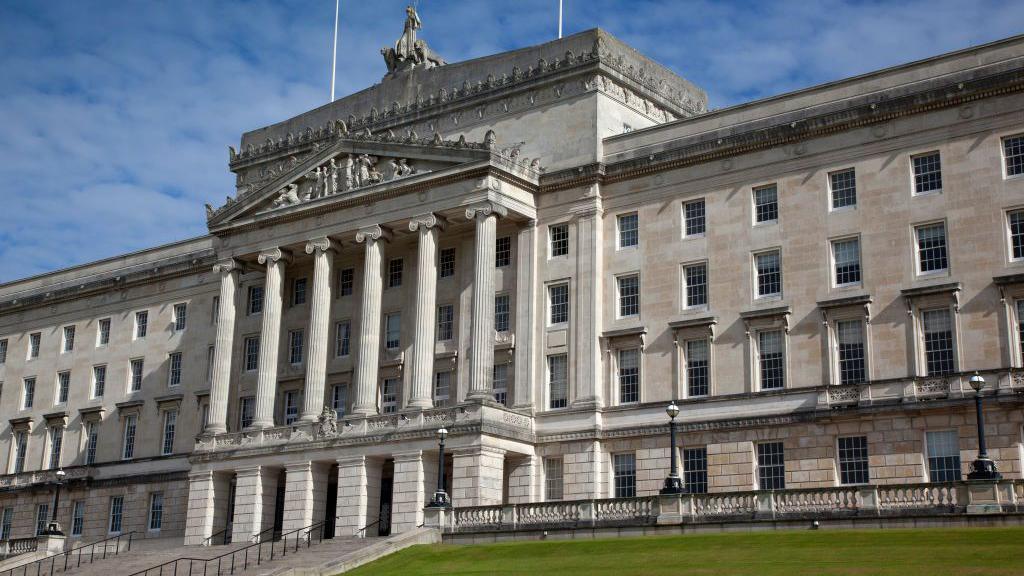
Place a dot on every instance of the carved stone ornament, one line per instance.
(410, 52)
(425, 222)
(327, 423)
(319, 244)
(485, 209)
(227, 266)
(273, 255)
(375, 233)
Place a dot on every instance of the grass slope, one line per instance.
(989, 551)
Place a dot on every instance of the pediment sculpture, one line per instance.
(327, 423)
(408, 51)
(342, 174)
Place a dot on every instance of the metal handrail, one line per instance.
(259, 536)
(67, 556)
(304, 534)
(361, 532)
(227, 537)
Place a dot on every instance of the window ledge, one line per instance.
(946, 288)
(857, 300)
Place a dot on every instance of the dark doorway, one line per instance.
(231, 513)
(279, 506)
(331, 505)
(384, 527)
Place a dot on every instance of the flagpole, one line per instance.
(559, 18)
(334, 51)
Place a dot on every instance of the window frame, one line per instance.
(922, 336)
(914, 174)
(99, 385)
(296, 346)
(255, 299)
(549, 380)
(834, 262)
(550, 316)
(129, 434)
(622, 306)
(445, 323)
(562, 252)
(342, 338)
(757, 275)
(622, 396)
(502, 311)
(918, 268)
(759, 368)
(250, 351)
(502, 251)
(1004, 157)
(346, 282)
(756, 207)
(395, 272)
(387, 331)
(832, 190)
(698, 476)
(684, 283)
(62, 387)
(624, 475)
(1010, 248)
(777, 482)
(551, 464)
(686, 367)
(686, 218)
(620, 231)
(180, 317)
(175, 367)
(102, 332)
(168, 432)
(140, 325)
(446, 262)
(67, 339)
(937, 475)
(860, 474)
(300, 291)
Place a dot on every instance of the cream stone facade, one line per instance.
(538, 251)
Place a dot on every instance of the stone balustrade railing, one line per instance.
(42, 477)
(919, 388)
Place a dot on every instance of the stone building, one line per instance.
(539, 250)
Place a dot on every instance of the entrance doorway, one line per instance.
(386, 484)
(331, 505)
(279, 506)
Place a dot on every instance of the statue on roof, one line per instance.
(409, 52)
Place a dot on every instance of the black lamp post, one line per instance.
(53, 529)
(440, 499)
(983, 468)
(673, 485)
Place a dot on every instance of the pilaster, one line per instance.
(589, 300)
(305, 490)
(477, 475)
(526, 317)
(409, 495)
(353, 496)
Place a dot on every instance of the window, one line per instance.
(346, 280)
(210, 352)
(135, 375)
(629, 295)
(156, 511)
(92, 438)
(68, 339)
(252, 353)
(295, 346)
(116, 510)
(299, 292)
(393, 336)
(389, 396)
(343, 338)
(141, 324)
(846, 259)
(629, 233)
(103, 332)
(766, 204)
(943, 456)
(499, 383)
(1020, 325)
(770, 359)
(558, 381)
(28, 393)
(850, 351)
(170, 424)
(180, 316)
(693, 218)
(128, 447)
(844, 188)
(853, 460)
(63, 386)
(445, 322)
(695, 470)
(204, 414)
(769, 274)
(56, 444)
(771, 466)
(442, 387)
(99, 380)
(931, 248)
(42, 518)
(78, 517)
(255, 305)
(503, 252)
(553, 483)
(697, 382)
(174, 369)
(20, 449)
(927, 173)
(33, 345)
(395, 266)
(629, 376)
(5, 527)
(1015, 219)
(624, 469)
(446, 263)
(938, 342)
(558, 303)
(246, 411)
(501, 312)
(695, 285)
(291, 407)
(3, 352)
(559, 238)
(215, 310)
(1013, 155)
(339, 399)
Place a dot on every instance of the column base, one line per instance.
(420, 404)
(364, 410)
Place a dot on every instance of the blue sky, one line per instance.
(116, 116)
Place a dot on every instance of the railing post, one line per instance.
(508, 516)
(766, 504)
(588, 513)
(867, 500)
(670, 509)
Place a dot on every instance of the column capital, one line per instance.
(351, 461)
(249, 471)
(274, 255)
(375, 232)
(322, 244)
(228, 265)
(424, 222)
(412, 456)
(484, 209)
(298, 466)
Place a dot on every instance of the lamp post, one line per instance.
(673, 485)
(983, 468)
(53, 529)
(440, 499)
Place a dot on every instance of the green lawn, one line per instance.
(898, 552)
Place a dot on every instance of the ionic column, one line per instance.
(428, 226)
(224, 343)
(481, 361)
(322, 250)
(369, 320)
(270, 335)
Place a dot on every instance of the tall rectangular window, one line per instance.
(210, 350)
(68, 339)
(92, 439)
(99, 380)
(766, 204)
(445, 322)
(180, 316)
(771, 360)
(346, 281)
(931, 248)
(63, 386)
(771, 466)
(252, 353)
(853, 460)
(34, 341)
(156, 511)
(393, 331)
(693, 218)
(170, 425)
(938, 341)
(943, 456)
(246, 411)
(56, 444)
(843, 185)
(174, 369)
(141, 324)
(503, 251)
(20, 450)
(624, 474)
(42, 518)
(5, 526)
(697, 381)
(1020, 325)
(128, 443)
(291, 407)
(927, 173)
(846, 259)
(629, 376)
(395, 267)
(850, 351)
(3, 352)
(28, 393)
(499, 383)
(629, 230)
(446, 263)
(442, 388)
(629, 295)
(343, 338)
(558, 381)
(553, 482)
(389, 396)
(135, 375)
(1013, 155)
(255, 301)
(1015, 220)
(769, 274)
(295, 338)
(501, 312)
(558, 303)
(299, 292)
(116, 512)
(695, 285)
(77, 517)
(103, 332)
(215, 310)
(559, 239)
(695, 470)
(339, 399)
